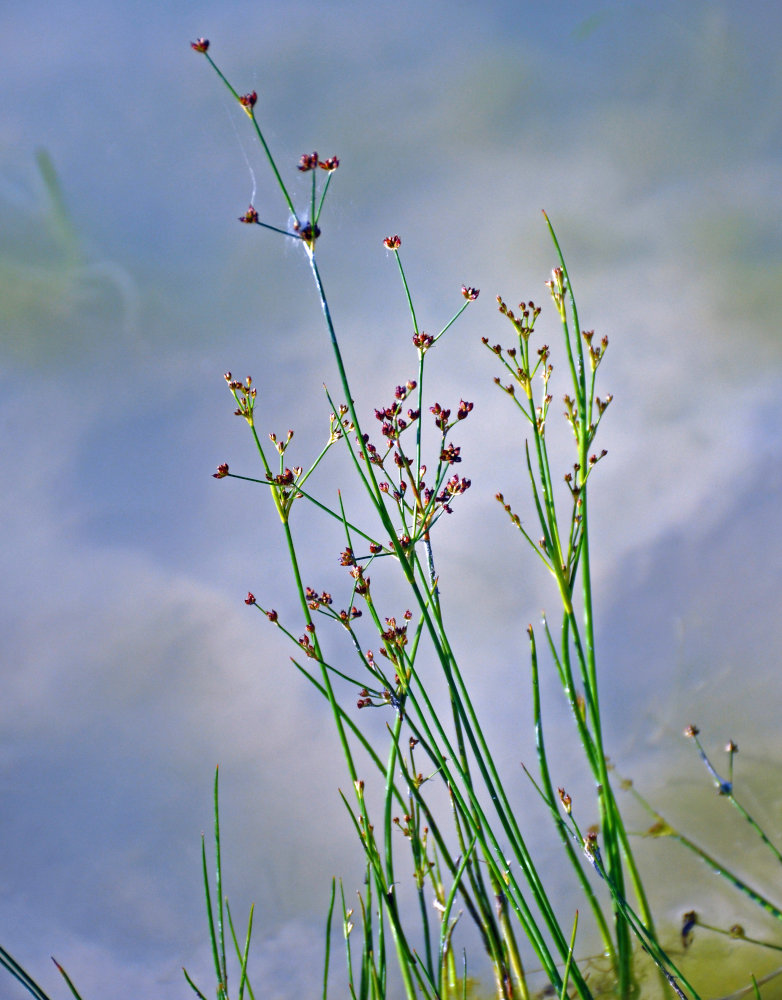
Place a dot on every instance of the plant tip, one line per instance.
(250, 216)
(222, 471)
(200, 45)
(689, 920)
(308, 161)
(392, 242)
(307, 232)
(471, 294)
(250, 599)
(248, 101)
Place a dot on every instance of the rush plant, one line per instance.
(474, 858)
(440, 838)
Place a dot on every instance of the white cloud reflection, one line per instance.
(130, 664)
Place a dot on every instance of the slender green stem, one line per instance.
(10, 964)
(219, 891)
(549, 797)
(259, 134)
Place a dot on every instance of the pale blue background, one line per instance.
(650, 132)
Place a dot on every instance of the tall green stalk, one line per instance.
(496, 860)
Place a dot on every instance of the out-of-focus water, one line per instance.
(131, 665)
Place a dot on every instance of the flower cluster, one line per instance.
(307, 231)
(391, 418)
(244, 393)
(310, 161)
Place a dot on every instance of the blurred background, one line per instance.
(650, 133)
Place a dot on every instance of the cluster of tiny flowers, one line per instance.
(442, 415)
(307, 231)
(365, 699)
(396, 634)
(323, 601)
(347, 558)
(390, 416)
(368, 450)
(316, 601)
(310, 161)
(362, 582)
(450, 454)
(524, 323)
(306, 644)
(244, 393)
(423, 341)
(454, 487)
(286, 478)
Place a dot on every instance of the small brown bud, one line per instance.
(248, 101)
(392, 242)
(250, 599)
(250, 216)
(307, 231)
(222, 471)
(590, 843)
(691, 731)
(689, 922)
(308, 161)
(471, 294)
(200, 44)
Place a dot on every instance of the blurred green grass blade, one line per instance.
(10, 963)
(566, 973)
(67, 979)
(242, 954)
(327, 950)
(209, 914)
(57, 215)
(222, 974)
(193, 986)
